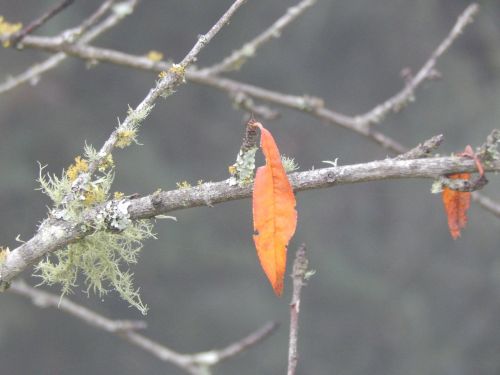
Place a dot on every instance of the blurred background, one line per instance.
(393, 293)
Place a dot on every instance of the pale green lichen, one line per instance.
(183, 185)
(137, 116)
(437, 186)
(54, 187)
(99, 257)
(243, 170)
(289, 164)
(112, 239)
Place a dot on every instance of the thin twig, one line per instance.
(487, 203)
(54, 233)
(310, 105)
(398, 101)
(100, 12)
(215, 356)
(244, 102)
(16, 38)
(299, 276)
(195, 364)
(423, 150)
(44, 299)
(239, 57)
(33, 73)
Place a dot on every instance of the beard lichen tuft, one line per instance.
(112, 241)
(102, 258)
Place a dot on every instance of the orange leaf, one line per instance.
(456, 204)
(274, 214)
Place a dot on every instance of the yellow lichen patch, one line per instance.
(162, 74)
(4, 252)
(106, 163)
(155, 56)
(177, 69)
(125, 137)
(93, 195)
(81, 165)
(118, 195)
(7, 28)
(183, 185)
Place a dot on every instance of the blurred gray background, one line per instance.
(393, 293)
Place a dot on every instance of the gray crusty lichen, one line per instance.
(242, 171)
(112, 242)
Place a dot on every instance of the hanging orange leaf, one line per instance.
(456, 204)
(274, 214)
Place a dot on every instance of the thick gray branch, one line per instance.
(54, 234)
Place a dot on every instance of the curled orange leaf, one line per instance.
(456, 204)
(274, 214)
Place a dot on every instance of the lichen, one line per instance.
(4, 253)
(124, 137)
(81, 165)
(183, 185)
(111, 242)
(118, 195)
(7, 28)
(154, 56)
(99, 257)
(242, 170)
(289, 164)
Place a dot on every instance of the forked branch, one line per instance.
(195, 364)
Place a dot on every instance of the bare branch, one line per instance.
(56, 233)
(215, 356)
(244, 102)
(398, 101)
(299, 276)
(311, 105)
(239, 57)
(16, 38)
(195, 364)
(44, 299)
(487, 203)
(33, 73)
(423, 150)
